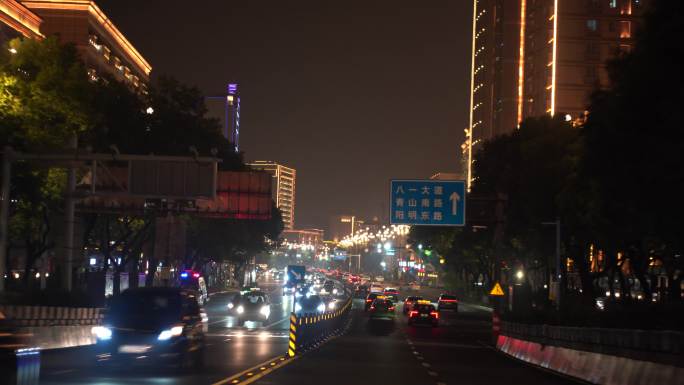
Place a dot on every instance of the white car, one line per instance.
(379, 278)
(376, 288)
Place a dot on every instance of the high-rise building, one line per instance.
(233, 116)
(284, 179)
(18, 21)
(537, 57)
(103, 48)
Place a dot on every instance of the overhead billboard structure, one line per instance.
(176, 186)
(427, 202)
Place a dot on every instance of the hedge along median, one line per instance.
(600, 356)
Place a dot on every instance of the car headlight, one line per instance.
(334, 291)
(321, 308)
(265, 311)
(298, 307)
(169, 333)
(230, 305)
(240, 309)
(298, 294)
(102, 332)
(331, 305)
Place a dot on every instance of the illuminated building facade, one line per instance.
(18, 21)
(284, 181)
(537, 57)
(232, 129)
(103, 48)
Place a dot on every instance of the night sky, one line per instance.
(350, 93)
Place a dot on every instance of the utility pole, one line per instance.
(4, 212)
(69, 218)
(559, 266)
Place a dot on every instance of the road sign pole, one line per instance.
(4, 212)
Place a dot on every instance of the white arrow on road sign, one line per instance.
(454, 198)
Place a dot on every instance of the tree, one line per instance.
(633, 136)
(44, 102)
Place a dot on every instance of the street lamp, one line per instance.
(519, 275)
(559, 267)
(149, 110)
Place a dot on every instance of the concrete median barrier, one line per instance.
(51, 327)
(599, 356)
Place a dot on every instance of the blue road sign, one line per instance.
(296, 273)
(427, 202)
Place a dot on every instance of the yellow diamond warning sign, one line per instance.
(497, 291)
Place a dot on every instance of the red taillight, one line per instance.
(434, 314)
(413, 313)
(369, 300)
(391, 308)
(372, 307)
(448, 300)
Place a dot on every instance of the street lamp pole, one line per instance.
(559, 267)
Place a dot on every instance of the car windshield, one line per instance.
(335, 192)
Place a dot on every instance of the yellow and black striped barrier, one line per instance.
(307, 330)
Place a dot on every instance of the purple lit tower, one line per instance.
(232, 128)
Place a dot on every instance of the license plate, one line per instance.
(424, 315)
(134, 349)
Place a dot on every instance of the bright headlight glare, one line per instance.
(101, 332)
(265, 311)
(298, 307)
(240, 309)
(321, 308)
(334, 291)
(230, 305)
(331, 305)
(169, 333)
(298, 294)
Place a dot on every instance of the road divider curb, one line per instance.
(252, 374)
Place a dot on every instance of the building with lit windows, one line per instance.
(537, 57)
(284, 181)
(103, 48)
(18, 21)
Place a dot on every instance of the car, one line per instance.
(409, 302)
(328, 286)
(391, 293)
(193, 281)
(253, 306)
(376, 288)
(382, 308)
(447, 302)
(423, 312)
(370, 298)
(361, 291)
(309, 304)
(379, 278)
(415, 286)
(164, 325)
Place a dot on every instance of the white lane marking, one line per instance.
(416, 352)
(420, 358)
(426, 364)
(433, 374)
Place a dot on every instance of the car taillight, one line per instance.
(369, 300)
(448, 300)
(434, 314)
(372, 307)
(391, 308)
(413, 313)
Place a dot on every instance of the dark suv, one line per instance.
(161, 325)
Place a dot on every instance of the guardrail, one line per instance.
(23, 316)
(309, 330)
(663, 346)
